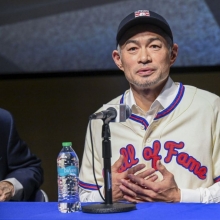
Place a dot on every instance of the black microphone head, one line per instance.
(112, 113)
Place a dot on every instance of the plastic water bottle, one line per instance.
(67, 179)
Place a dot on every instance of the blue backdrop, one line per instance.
(41, 36)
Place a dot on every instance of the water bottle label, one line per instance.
(70, 170)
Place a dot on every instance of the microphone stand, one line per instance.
(108, 206)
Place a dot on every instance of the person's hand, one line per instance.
(117, 194)
(6, 191)
(138, 188)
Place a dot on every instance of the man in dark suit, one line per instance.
(21, 174)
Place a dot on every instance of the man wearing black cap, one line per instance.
(168, 149)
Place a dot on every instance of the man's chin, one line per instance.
(145, 85)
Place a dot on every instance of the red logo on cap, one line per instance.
(142, 13)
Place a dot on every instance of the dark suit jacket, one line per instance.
(16, 159)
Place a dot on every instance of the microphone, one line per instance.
(116, 113)
(109, 113)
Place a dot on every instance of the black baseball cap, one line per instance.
(143, 17)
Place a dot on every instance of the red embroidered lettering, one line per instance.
(129, 158)
(182, 157)
(202, 172)
(152, 154)
(170, 146)
(192, 164)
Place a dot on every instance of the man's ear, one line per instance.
(117, 59)
(174, 54)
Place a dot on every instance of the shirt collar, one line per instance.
(164, 99)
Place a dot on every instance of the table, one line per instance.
(159, 210)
